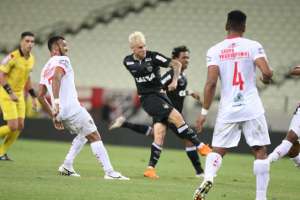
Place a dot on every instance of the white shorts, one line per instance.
(81, 123)
(228, 135)
(295, 123)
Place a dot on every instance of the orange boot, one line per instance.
(150, 173)
(204, 149)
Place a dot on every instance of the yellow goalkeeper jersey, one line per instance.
(17, 68)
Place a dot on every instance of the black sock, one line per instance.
(194, 158)
(187, 133)
(155, 154)
(138, 128)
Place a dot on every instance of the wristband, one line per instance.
(56, 101)
(7, 88)
(204, 111)
(32, 92)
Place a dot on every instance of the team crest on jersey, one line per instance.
(149, 68)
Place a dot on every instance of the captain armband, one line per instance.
(7, 88)
(32, 92)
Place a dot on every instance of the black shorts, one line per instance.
(158, 106)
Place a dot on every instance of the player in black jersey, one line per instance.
(177, 97)
(144, 66)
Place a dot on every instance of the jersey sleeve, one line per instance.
(257, 51)
(125, 62)
(166, 79)
(63, 63)
(212, 57)
(161, 60)
(7, 63)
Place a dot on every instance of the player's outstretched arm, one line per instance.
(176, 65)
(209, 93)
(295, 71)
(265, 69)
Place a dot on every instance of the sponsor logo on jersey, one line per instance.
(144, 79)
(162, 59)
(148, 59)
(129, 63)
(232, 45)
(238, 100)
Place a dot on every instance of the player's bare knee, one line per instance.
(219, 150)
(176, 118)
(260, 152)
(292, 136)
(93, 137)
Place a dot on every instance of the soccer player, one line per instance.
(290, 145)
(57, 78)
(181, 54)
(15, 71)
(234, 61)
(144, 66)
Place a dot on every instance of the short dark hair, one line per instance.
(177, 50)
(26, 33)
(54, 39)
(236, 20)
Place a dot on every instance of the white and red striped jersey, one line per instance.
(235, 59)
(69, 104)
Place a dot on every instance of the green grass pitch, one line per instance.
(33, 176)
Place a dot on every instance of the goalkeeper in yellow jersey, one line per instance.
(15, 71)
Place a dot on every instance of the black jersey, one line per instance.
(176, 96)
(146, 72)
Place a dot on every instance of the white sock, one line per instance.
(77, 144)
(280, 151)
(261, 169)
(100, 152)
(212, 165)
(296, 160)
